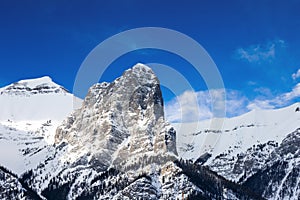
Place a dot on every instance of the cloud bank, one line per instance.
(194, 106)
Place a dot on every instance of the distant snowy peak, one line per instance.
(36, 99)
(238, 133)
(43, 85)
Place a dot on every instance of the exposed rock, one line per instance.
(121, 123)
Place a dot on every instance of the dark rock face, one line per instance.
(143, 97)
(243, 165)
(280, 178)
(203, 158)
(170, 137)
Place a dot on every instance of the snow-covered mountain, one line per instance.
(35, 99)
(249, 148)
(117, 145)
(237, 134)
(30, 111)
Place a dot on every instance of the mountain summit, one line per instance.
(121, 123)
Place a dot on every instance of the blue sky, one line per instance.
(255, 44)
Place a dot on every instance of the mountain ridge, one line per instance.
(119, 146)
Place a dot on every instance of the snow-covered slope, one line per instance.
(259, 149)
(237, 134)
(30, 111)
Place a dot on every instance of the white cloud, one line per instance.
(279, 101)
(266, 92)
(296, 75)
(189, 106)
(295, 93)
(235, 103)
(251, 83)
(193, 106)
(260, 52)
(257, 104)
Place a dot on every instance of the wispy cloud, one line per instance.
(278, 101)
(189, 106)
(295, 93)
(296, 75)
(193, 106)
(263, 91)
(259, 53)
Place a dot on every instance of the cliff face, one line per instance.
(121, 123)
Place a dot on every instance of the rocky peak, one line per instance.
(121, 123)
(138, 86)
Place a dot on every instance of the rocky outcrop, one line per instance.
(121, 123)
(272, 170)
(279, 179)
